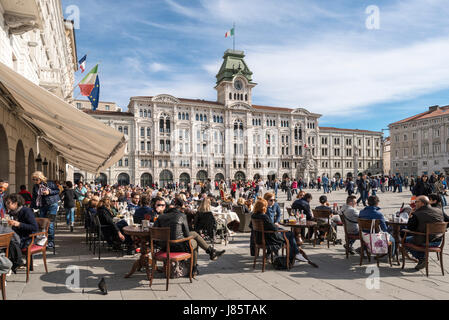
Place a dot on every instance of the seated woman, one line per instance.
(241, 203)
(24, 223)
(112, 232)
(204, 220)
(275, 241)
(335, 220)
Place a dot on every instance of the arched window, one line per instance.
(221, 119)
(167, 125)
(205, 118)
(197, 117)
(215, 119)
(187, 116)
(120, 129)
(161, 125)
(246, 97)
(201, 117)
(149, 114)
(235, 96)
(148, 132)
(183, 116)
(125, 130)
(230, 96)
(241, 97)
(179, 116)
(141, 113)
(145, 113)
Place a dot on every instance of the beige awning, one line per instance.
(83, 141)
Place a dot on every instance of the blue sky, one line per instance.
(318, 55)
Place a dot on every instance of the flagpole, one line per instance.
(234, 38)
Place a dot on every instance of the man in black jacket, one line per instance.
(422, 215)
(174, 219)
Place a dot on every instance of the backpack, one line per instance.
(280, 263)
(179, 269)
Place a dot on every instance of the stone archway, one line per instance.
(123, 179)
(185, 179)
(4, 155)
(201, 176)
(219, 177)
(102, 179)
(165, 178)
(240, 176)
(146, 180)
(78, 177)
(31, 168)
(20, 166)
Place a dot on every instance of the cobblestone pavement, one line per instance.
(232, 276)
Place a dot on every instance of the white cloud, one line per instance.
(158, 67)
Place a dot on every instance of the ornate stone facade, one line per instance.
(175, 139)
(420, 144)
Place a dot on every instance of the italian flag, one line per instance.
(88, 83)
(229, 33)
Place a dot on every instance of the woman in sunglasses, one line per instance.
(45, 198)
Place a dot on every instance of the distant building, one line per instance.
(387, 156)
(173, 139)
(420, 144)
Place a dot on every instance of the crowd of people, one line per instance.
(187, 209)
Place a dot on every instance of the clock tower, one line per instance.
(234, 80)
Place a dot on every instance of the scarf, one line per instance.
(40, 194)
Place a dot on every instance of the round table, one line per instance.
(396, 226)
(295, 226)
(144, 259)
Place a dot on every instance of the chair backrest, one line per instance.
(365, 224)
(162, 235)
(238, 209)
(5, 239)
(322, 214)
(43, 224)
(258, 227)
(343, 220)
(437, 228)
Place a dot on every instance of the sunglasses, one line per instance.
(160, 205)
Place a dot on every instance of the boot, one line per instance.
(214, 254)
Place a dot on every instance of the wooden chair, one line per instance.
(431, 229)
(33, 249)
(5, 239)
(258, 227)
(366, 225)
(348, 236)
(163, 235)
(244, 219)
(318, 216)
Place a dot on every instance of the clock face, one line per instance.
(238, 85)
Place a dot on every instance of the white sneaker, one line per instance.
(301, 258)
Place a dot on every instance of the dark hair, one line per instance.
(22, 187)
(135, 194)
(15, 198)
(145, 201)
(435, 197)
(350, 198)
(373, 201)
(178, 202)
(307, 196)
(156, 199)
(323, 199)
(69, 184)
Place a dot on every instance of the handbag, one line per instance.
(377, 243)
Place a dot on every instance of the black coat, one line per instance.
(28, 225)
(422, 188)
(179, 228)
(69, 197)
(418, 221)
(52, 198)
(273, 241)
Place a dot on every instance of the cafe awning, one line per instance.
(83, 141)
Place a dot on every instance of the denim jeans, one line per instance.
(417, 254)
(50, 212)
(70, 215)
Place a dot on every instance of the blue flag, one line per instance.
(95, 94)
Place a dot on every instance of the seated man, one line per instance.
(24, 223)
(303, 205)
(334, 220)
(134, 203)
(420, 216)
(144, 210)
(372, 212)
(179, 229)
(351, 215)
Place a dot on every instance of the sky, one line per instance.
(359, 69)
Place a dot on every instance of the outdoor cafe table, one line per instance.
(229, 217)
(396, 226)
(296, 225)
(144, 259)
